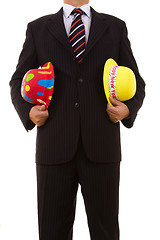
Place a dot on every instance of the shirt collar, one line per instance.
(67, 9)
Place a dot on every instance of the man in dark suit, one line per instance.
(78, 136)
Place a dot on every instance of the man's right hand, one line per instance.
(39, 115)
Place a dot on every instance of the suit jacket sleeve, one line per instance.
(126, 58)
(27, 61)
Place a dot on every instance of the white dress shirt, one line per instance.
(68, 18)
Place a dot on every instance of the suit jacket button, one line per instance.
(80, 80)
(76, 105)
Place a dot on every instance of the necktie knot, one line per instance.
(77, 11)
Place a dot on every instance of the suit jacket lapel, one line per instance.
(57, 29)
(96, 30)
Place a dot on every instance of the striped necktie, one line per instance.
(77, 34)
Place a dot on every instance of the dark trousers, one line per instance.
(57, 187)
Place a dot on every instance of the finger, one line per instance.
(114, 101)
(113, 118)
(111, 109)
(113, 114)
(45, 114)
(43, 108)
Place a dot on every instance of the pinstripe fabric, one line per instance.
(78, 107)
(77, 35)
(57, 192)
(78, 102)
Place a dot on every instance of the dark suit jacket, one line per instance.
(79, 102)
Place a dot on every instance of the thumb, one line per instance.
(114, 101)
(42, 108)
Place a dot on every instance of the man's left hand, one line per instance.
(118, 112)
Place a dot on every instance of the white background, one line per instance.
(140, 168)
